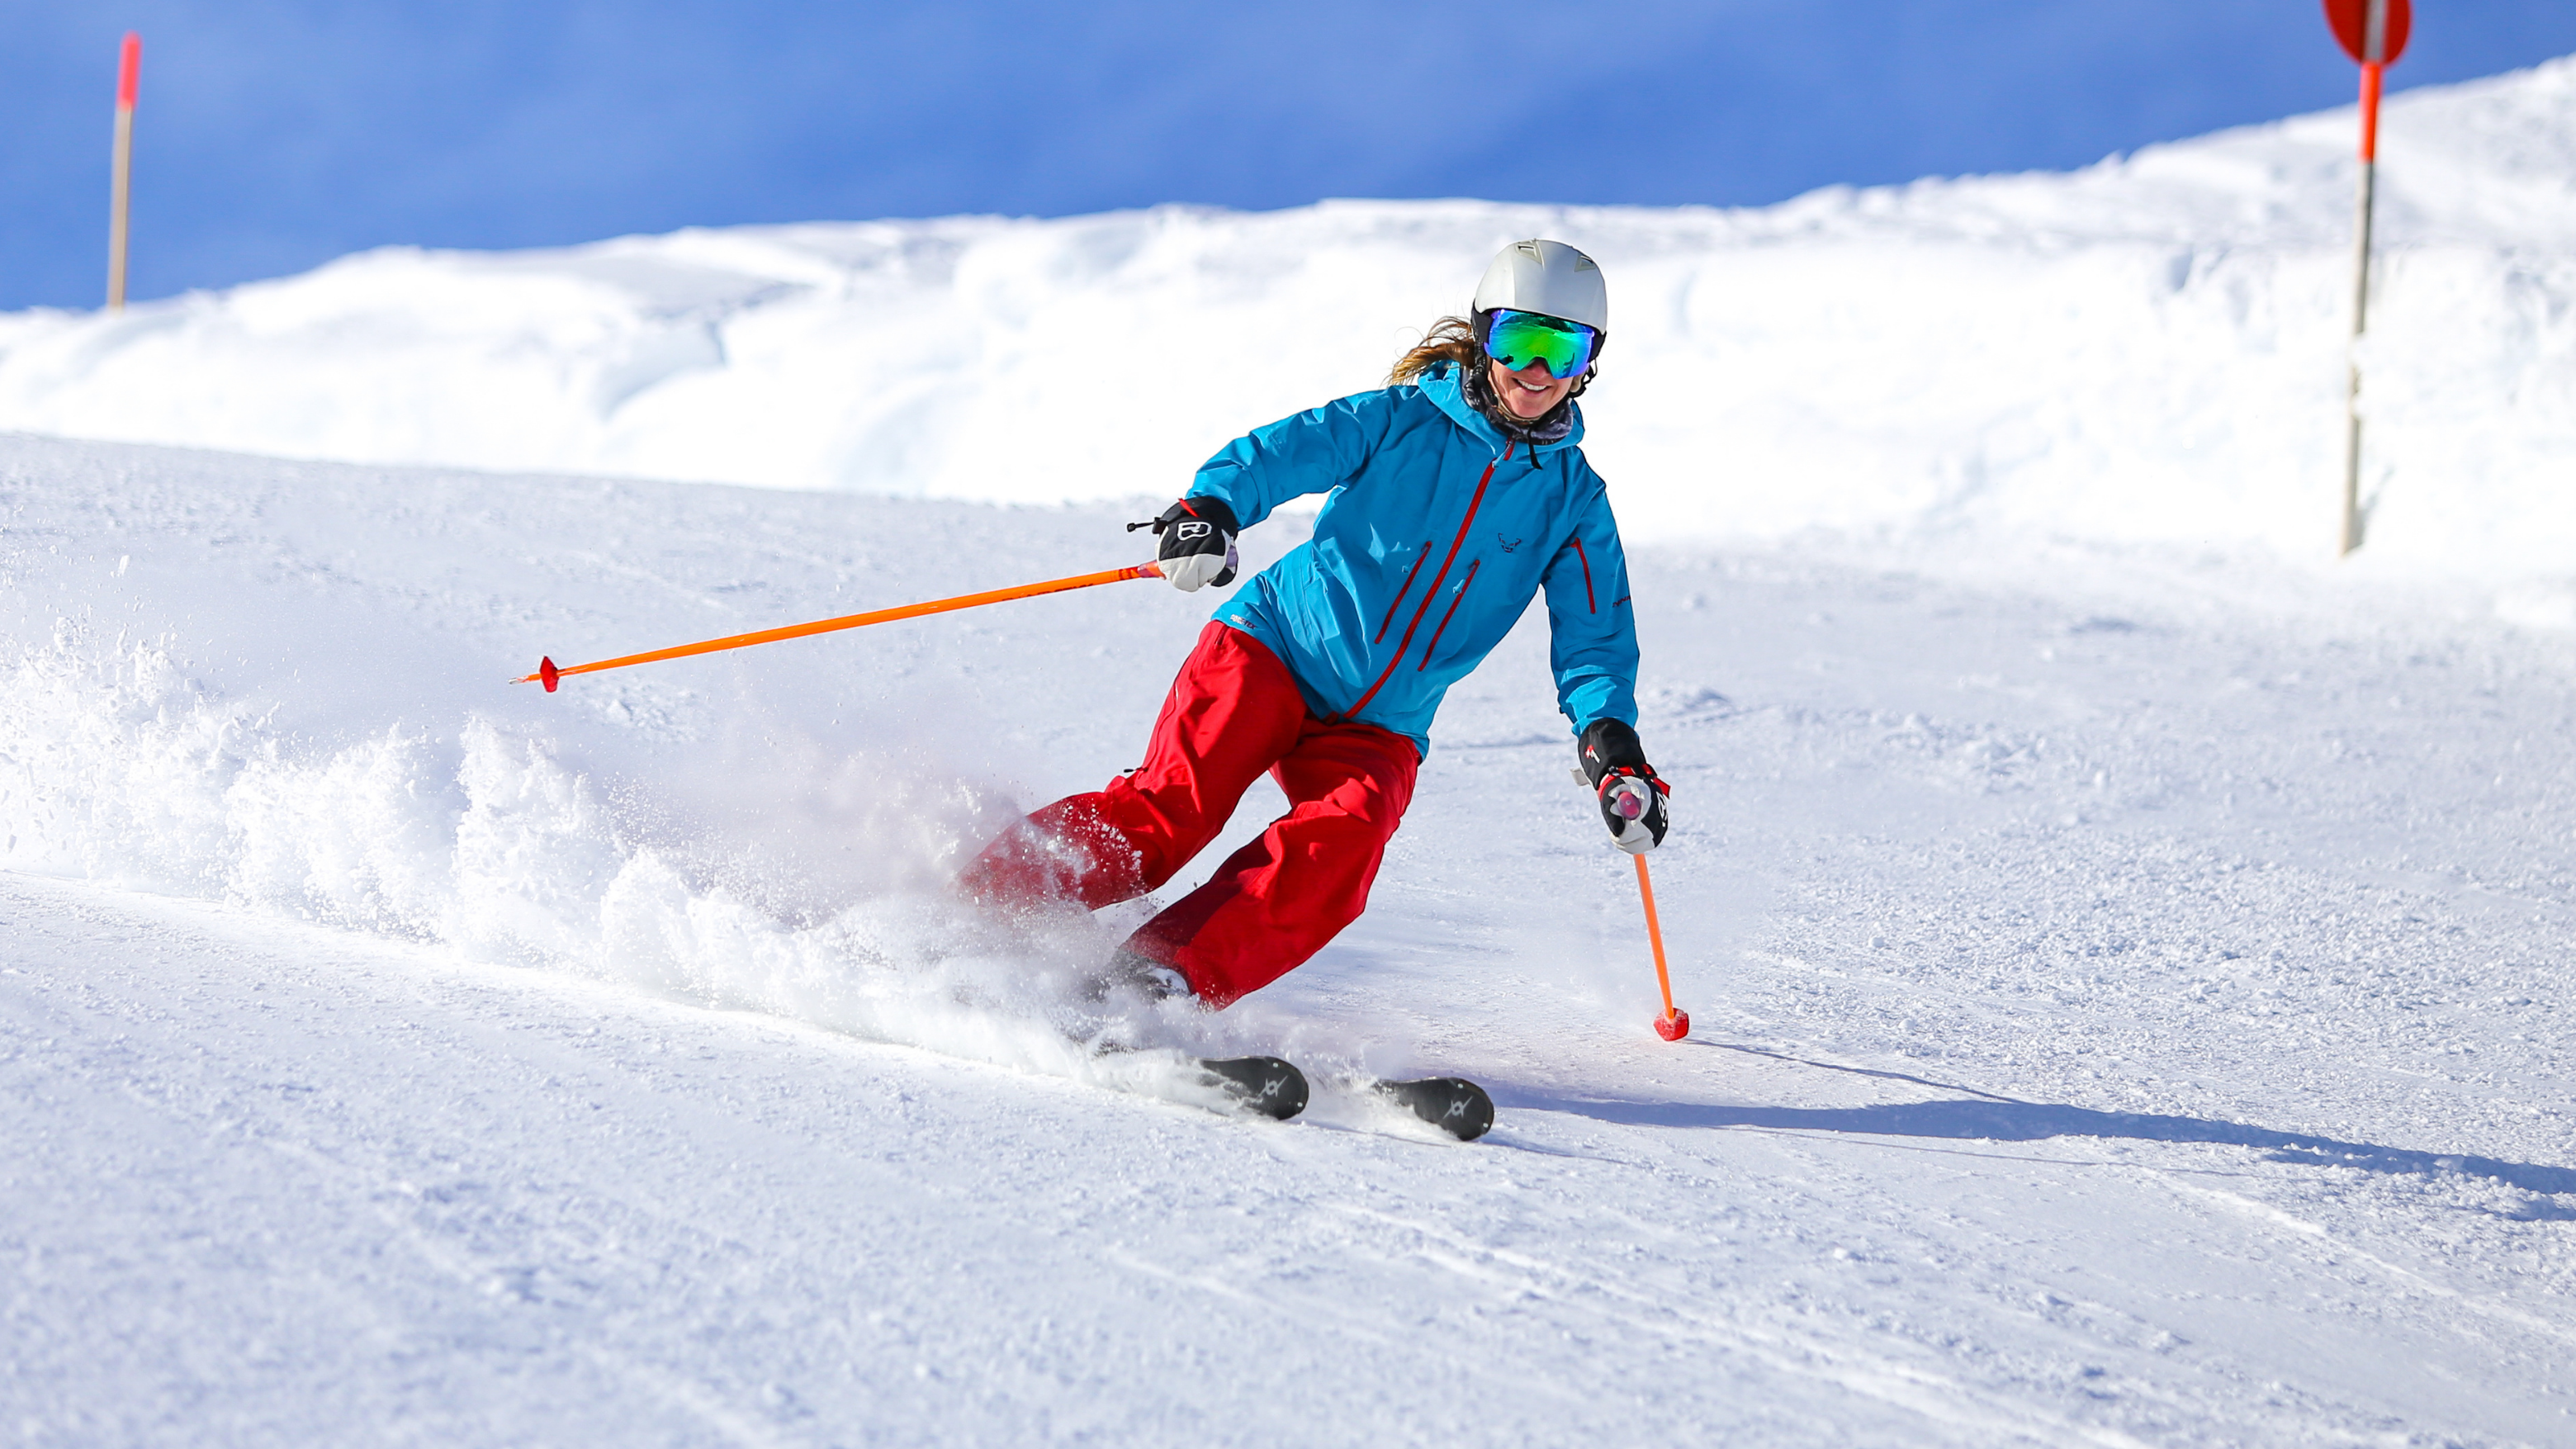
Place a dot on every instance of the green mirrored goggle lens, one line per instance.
(1517, 339)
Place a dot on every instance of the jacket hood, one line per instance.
(1448, 392)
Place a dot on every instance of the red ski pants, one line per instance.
(1233, 713)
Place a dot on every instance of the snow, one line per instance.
(2153, 348)
(2127, 957)
(2126, 990)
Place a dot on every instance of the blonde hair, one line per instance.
(1451, 339)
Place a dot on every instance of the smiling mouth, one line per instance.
(1531, 386)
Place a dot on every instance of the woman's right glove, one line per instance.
(1197, 543)
(1630, 792)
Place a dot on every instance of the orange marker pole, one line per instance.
(548, 672)
(2361, 209)
(2374, 34)
(1674, 1024)
(129, 74)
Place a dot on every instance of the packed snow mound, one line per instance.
(286, 686)
(2153, 348)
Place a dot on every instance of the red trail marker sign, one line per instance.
(2374, 33)
(2351, 21)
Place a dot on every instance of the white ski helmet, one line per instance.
(1549, 277)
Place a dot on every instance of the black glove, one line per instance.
(1630, 792)
(1197, 543)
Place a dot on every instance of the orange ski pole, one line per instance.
(548, 671)
(1674, 1024)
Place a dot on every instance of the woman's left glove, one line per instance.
(1197, 543)
(1630, 792)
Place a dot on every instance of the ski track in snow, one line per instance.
(2126, 989)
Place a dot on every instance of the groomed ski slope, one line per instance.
(2129, 989)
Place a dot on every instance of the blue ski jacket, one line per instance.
(1436, 532)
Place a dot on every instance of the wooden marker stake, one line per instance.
(129, 72)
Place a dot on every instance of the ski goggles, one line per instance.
(1516, 339)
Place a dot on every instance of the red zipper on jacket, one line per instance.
(1427, 545)
(1464, 585)
(1586, 560)
(1434, 591)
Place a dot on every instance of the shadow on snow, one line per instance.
(1987, 1117)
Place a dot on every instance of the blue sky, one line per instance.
(276, 134)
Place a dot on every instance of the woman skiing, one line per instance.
(1456, 494)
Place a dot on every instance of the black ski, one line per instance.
(1453, 1104)
(1265, 1085)
(1275, 1088)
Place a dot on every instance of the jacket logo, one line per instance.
(1508, 543)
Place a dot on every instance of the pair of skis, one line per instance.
(1275, 1088)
